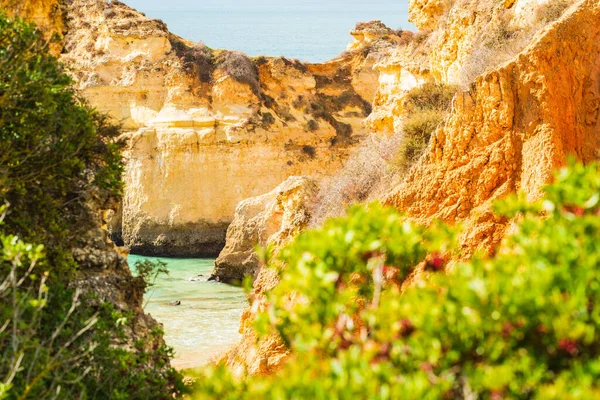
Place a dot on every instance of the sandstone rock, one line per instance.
(272, 218)
(512, 130)
(200, 140)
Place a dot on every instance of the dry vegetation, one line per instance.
(426, 107)
(241, 68)
(500, 40)
(380, 161)
(198, 59)
(370, 165)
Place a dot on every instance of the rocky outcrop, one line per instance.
(470, 38)
(512, 130)
(401, 70)
(209, 128)
(270, 219)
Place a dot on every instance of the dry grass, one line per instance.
(241, 68)
(552, 10)
(499, 42)
(367, 168)
(380, 161)
(426, 107)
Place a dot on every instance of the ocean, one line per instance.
(207, 320)
(312, 31)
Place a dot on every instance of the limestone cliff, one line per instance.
(209, 128)
(506, 132)
(512, 129)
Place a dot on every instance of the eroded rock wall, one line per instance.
(270, 219)
(512, 129)
(201, 139)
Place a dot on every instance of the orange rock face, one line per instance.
(512, 129)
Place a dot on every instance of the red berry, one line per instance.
(435, 262)
(568, 346)
(496, 395)
(507, 329)
(406, 328)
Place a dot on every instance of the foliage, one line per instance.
(149, 270)
(520, 323)
(426, 106)
(53, 346)
(380, 161)
(57, 153)
(198, 59)
(60, 163)
(241, 68)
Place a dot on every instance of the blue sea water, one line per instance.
(207, 320)
(310, 30)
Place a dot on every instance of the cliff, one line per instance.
(209, 128)
(510, 127)
(511, 130)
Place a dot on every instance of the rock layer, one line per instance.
(270, 219)
(512, 130)
(209, 128)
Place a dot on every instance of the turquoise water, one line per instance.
(207, 320)
(310, 30)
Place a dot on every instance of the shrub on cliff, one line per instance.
(367, 168)
(60, 163)
(521, 323)
(425, 106)
(379, 161)
(241, 68)
(198, 59)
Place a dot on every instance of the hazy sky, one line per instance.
(312, 30)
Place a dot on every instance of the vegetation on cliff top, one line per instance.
(380, 161)
(520, 323)
(60, 163)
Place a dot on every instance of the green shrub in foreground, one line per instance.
(524, 323)
(59, 162)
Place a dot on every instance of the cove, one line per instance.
(207, 320)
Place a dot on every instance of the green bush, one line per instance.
(52, 345)
(426, 107)
(61, 162)
(521, 323)
(57, 153)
